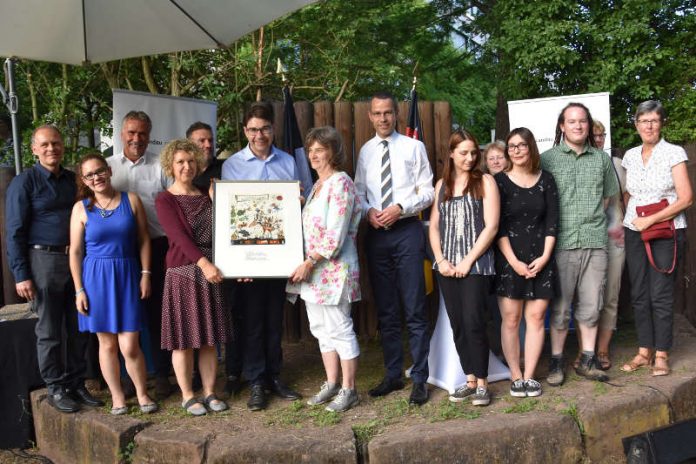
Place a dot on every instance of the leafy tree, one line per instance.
(635, 49)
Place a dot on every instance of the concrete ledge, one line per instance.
(334, 445)
(607, 419)
(171, 445)
(527, 438)
(89, 436)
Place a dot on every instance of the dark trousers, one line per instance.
(652, 292)
(395, 262)
(234, 349)
(263, 328)
(55, 306)
(465, 300)
(162, 359)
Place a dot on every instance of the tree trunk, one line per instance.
(147, 74)
(259, 64)
(502, 117)
(175, 65)
(32, 96)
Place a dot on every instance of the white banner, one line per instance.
(170, 116)
(540, 115)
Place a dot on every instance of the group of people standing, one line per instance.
(138, 248)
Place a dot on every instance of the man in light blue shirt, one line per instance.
(258, 305)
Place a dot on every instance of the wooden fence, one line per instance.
(352, 122)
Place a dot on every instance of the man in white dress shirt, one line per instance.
(395, 183)
(137, 170)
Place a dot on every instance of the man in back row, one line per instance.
(586, 180)
(137, 170)
(394, 182)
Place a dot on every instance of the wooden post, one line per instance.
(304, 111)
(343, 122)
(443, 129)
(323, 114)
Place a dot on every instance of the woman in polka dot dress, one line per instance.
(193, 313)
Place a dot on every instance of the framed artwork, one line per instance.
(257, 228)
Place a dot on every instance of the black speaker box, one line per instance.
(671, 444)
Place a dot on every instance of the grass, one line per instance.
(367, 431)
(298, 414)
(446, 410)
(522, 406)
(125, 455)
(572, 411)
(600, 388)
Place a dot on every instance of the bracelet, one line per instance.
(81, 290)
(145, 271)
(312, 260)
(438, 262)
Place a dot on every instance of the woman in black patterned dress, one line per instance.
(193, 313)
(525, 270)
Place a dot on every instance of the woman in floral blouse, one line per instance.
(328, 279)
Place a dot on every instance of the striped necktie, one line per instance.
(386, 177)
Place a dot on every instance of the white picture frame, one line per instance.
(257, 228)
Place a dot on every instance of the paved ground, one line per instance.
(581, 421)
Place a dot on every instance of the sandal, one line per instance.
(119, 411)
(639, 361)
(194, 407)
(604, 360)
(215, 404)
(148, 408)
(661, 366)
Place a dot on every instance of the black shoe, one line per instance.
(588, 369)
(386, 387)
(162, 388)
(283, 391)
(556, 372)
(419, 394)
(63, 402)
(233, 385)
(257, 398)
(81, 395)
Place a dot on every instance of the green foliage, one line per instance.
(522, 406)
(332, 48)
(634, 49)
(572, 411)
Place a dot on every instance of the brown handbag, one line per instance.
(659, 230)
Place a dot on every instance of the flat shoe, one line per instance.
(639, 361)
(194, 407)
(119, 411)
(215, 404)
(148, 408)
(604, 360)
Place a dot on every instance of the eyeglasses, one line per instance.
(101, 172)
(648, 122)
(519, 147)
(265, 130)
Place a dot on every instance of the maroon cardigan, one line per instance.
(182, 248)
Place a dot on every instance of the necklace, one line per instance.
(104, 212)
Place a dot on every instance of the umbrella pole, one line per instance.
(12, 103)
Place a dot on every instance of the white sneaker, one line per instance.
(346, 399)
(326, 393)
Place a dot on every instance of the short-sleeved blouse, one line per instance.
(649, 183)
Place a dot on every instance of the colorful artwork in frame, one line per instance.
(257, 228)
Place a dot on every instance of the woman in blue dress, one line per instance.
(110, 266)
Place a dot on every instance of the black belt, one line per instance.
(52, 248)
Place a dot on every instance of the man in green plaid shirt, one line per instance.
(585, 180)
